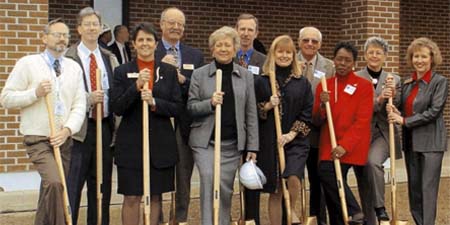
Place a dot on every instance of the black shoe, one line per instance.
(382, 214)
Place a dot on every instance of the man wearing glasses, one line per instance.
(90, 56)
(185, 58)
(316, 66)
(32, 79)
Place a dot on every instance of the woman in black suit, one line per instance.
(164, 99)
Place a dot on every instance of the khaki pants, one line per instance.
(50, 209)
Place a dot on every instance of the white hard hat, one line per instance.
(251, 176)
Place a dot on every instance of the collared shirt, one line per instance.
(51, 58)
(248, 55)
(409, 104)
(83, 53)
(122, 51)
(167, 46)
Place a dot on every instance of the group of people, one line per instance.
(172, 78)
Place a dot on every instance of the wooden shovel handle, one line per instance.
(59, 164)
(392, 162)
(217, 143)
(146, 158)
(281, 157)
(337, 164)
(99, 151)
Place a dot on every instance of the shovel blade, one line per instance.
(401, 222)
(385, 223)
(182, 223)
(311, 220)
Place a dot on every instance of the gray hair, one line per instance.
(224, 32)
(87, 12)
(378, 42)
(301, 32)
(53, 22)
(163, 14)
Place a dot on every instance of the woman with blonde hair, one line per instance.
(295, 100)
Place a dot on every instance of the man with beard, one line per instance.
(185, 58)
(309, 42)
(90, 56)
(32, 78)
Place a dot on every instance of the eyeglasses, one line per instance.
(59, 35)
(172, 23)
(307, 40)
(89, 24)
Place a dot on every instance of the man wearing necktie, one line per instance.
(120, 46)
(249, 58)
(90, 56)
(185, 58)
(32, 79)
(310, 41)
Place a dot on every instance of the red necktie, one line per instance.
(92, 76)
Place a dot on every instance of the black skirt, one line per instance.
(130, 180)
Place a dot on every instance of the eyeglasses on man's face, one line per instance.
(59, 35)
(172, 23)
(312, 40)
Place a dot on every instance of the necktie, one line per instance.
(125, 55)
(310, 71)
(57, 67)
(242, 60)
(93, 79)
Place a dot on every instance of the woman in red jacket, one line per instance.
(351, 101)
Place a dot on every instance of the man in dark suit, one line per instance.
(249, 58)
(185, 58)
(120, 46)
(90, 56)
(310, 41)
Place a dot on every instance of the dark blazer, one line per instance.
(379, 119)
(110, 63)
(127, 103)
(257, 60)
(115, 50)
(427, 124)
(189, 56)
(203, 85)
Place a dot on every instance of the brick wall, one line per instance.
(397, 21)
(430, 18)
(22, 22)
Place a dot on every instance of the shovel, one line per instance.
(281, 159)
(99, 151)
(57, 153)
(307, 220)
(337, 163)
(217, 143)
(146, 159)
(394, 220)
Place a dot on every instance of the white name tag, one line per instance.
(105, 83)
(318, 74)
(188, 66)
(132, 75)
(349, 89)
(253, 69)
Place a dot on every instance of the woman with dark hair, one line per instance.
(295, 100)
(424, 133)
(164, 99)
(351, 102)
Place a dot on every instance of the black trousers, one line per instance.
(251, 199)
(317, 204)
(329, 184)
(83, 169)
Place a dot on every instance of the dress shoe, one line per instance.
(382, 214)
(356, 219)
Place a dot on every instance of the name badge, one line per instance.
(318, 74)
(132, 75)
(105, 83)
(59, 108)
(188, 66)
(253, 69)
(349, 89)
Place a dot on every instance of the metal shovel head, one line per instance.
(182, 223)
(311, 220)
(242, 222)
(398, 222)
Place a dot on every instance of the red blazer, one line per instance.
(352, 113)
